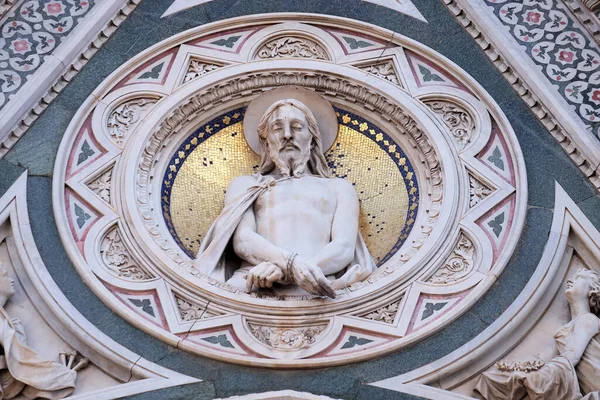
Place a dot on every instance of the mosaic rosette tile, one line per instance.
(555, 41)
(31, 34)
(437, 171)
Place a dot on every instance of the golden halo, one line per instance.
(321, 109)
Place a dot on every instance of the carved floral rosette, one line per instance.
(465, 158)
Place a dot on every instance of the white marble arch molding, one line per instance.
(571, 230)
(135, 374)
(187, 79)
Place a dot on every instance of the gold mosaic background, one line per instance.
(199, 187)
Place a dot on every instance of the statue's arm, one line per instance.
(248, 244)
(344, 230)
(586, 327)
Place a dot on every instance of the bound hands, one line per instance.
(304, 273)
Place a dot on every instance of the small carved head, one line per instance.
(7, 286)
(290, 140)
(586, 283)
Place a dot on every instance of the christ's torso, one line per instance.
(297, 214)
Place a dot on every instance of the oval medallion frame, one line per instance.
(468, 164)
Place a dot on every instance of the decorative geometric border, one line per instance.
(22, 112)
(347, 119)
(580, 145)
(216, 317)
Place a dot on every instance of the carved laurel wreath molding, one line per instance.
(142, 274)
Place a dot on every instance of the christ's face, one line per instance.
(289, 139)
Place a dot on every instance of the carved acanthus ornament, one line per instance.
(123, 119)
(458, 120)
(458, 265)
(189, 311)
(477, 191)
(198, 68)
(117, 258)
(384, 70)
(286, 338)
(292, 47)
(102, 185)
(384, 314)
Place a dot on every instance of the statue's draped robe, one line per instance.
(23, 371)
(211, 256)
(557, 379)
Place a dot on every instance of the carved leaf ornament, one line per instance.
(286, 338)
(292, 47)
(457, 119)
(118, 259)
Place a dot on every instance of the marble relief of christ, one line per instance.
(293, 226)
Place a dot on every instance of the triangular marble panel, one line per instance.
(353, 43)
(228, 42)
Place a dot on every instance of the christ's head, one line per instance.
(291, 141)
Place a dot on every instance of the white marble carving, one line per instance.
(102, 185)
(198, 68)
(113, 371)
(385, 314)
(368, 324)
(57, 71)
(123, 119)
(293, 184)
(286, 338)
(526, 326)
(22, 370)
(573, 373)
(292, 47)
(458, 120)
(383, 70)
(459, 264)
(189, 311)
(592, 5)
(118, 259)
(477, 191)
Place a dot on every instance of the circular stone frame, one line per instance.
(469, 167)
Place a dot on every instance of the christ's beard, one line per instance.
(290, 162)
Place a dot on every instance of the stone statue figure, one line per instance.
(291, 224)
(22, 371)
(575, 372)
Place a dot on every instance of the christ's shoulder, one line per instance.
(342, 186)
(239, 186)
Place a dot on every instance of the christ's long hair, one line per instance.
(317, 164)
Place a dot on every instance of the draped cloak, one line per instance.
(557, 379)
(211, 258)
(23, 371)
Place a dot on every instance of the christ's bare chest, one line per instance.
(301, 201)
